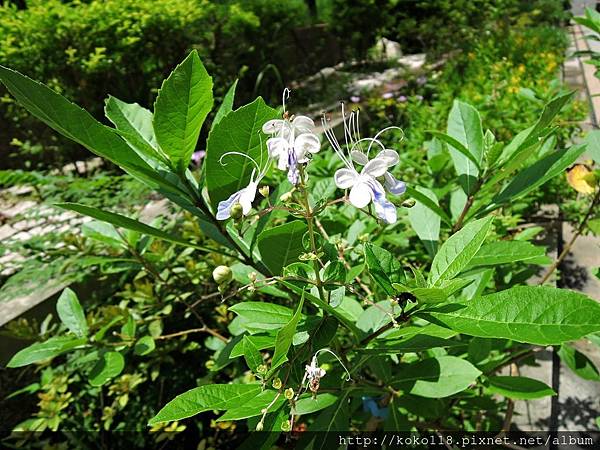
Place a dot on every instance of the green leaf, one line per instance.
(456, 253)
(339, 313)
(102, 232)
(206, 398)
(71, 313)
(254, 406)
(537, 174)
(144, 346)
(506, 252)
(533, 314)
(124, 222)
(426, 222)
(464, 125)
(383, 267)
(284, 338)
(262, 316)
(183, 102)
(455, 145)
(109, 365)
(441, 293)
(593, 145)
(135, 125)
(309, 405)
(238, 131)
(281, 245)
(436, 377)
(44, 350)
(580, 364)
(71, 121)
(128, 329)
(227, 105)
(426, 201)
(521, 388)
(412, 344)
(335, 418)
(251, 354)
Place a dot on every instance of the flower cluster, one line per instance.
(365, 186)
(292, 142)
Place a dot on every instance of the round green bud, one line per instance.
(409, 203)
(262, 369)
(277, 383)
(222, 275)
(236, 211)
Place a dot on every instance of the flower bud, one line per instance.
(286, 197)
(363, 237)
(408, 203)
(286, 426)
(277, 383)
(236, 211)
(289, 393)
(262, 369)
(264, 191)
(252, 276)
(260, 425)
(222, 275)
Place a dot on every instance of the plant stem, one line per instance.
(580, 228)
(470, 199)
(311, 233)
(203, 329)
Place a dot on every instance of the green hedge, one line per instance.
(126, 47)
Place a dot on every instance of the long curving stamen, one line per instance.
(336, 357)
(372, 141)
(284, 97)
(330, 135)
(346, 128)
(380, 132)
(262, 172)
(239, 154)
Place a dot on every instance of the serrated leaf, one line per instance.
(521, 388)
(238, 131)
(251, 354)
(281, 245)
(183, 102)
(71, 121)
(464, 125)
(456, 253)
(533, 314)
(383, 267)
(580, 364)
(44, 350)
(254, 406)
(506, 252)
(226, 106)
(436, 377)
(109, 365)
(71, 313)
(206, 398)
(426, 222)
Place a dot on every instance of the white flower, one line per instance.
(364, 186)
(293, 140)
(244, 196)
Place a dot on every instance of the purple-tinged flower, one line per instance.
(355, 99)
(197, 156)
(402, 98)
(387, 95)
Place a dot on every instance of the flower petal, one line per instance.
(277, 147)
(394, 186)
(273, 126)
(345, 178)
(359, 157)
(247, 196)
(360, 195)
(303, 123)
(306, 143)
(389, 156)
(385, 209)
(224, 207)
(375, 168)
